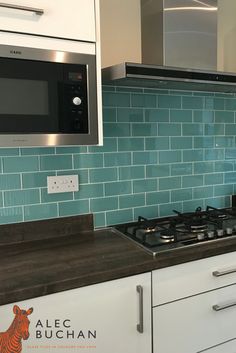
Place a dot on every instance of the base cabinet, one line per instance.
(101, 318)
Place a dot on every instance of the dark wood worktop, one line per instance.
(44, 257)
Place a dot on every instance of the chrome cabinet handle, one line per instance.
(219, 307)
(39, 12)
(223, 272)
(140, 324)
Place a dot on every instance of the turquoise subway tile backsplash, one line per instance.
(163, 150)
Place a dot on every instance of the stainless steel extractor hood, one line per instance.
(183, 43)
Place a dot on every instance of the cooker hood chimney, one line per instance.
(183, 47)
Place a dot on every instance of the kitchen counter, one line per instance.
(44, 257)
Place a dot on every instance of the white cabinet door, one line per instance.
(100, 318)
(228, 347)
(73, 19)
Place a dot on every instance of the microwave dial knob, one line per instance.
(76, 100)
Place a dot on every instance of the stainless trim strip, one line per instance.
(37, 11)
(219, 307)
(223, 272)
(140, 324)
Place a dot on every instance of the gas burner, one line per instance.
(167, 236)
(149, 230)
(198, 227)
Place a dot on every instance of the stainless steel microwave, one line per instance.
(47, 97)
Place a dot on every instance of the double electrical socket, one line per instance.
(62, 183)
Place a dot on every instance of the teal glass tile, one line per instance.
(169, 156)
(155, 198)
(134, 172)
(203, 192)
(1, 199)
(192, 180)
(121, 216)
(214, 103)
(55, 162)
(204, 94)
(215, 129)
(143, 100)
(224, 141)
(20, 164)
(9, 151)
(11, 215)
(106, 88)
(225, 95)
(132, 115)
(61, 196)
(10, 181)
(223, 166)
(181, 92)
(224, 117)
(144, 185)
(147, 212)
(104, 204)
(181, 169)
(165, 129)
(192, 129)
(181, 116)
(37, 151)
(144, 129)
(181, 195)
(145, 157)
(192, 155)
(167, 209)
(203, 167)
(155, 90)
(71, 149)
(129, 89)
(203, 116)
(82, 174)
(35, 180)
(192, 102)
(203, 142)
(117, 159)
(230, 129)
(157, 171)
(157, 143)
(109, 145)
(101, 175)
(70, 208)
(230, 104)
(191, 206)
(87, 191)
(118, 188)
(181, 143)
(114, 99)
(218, 202)
(170, 183)
(99, 219)
(230, 178)
(223, 190)
(230, 153)
(109, 115)
(131, 144)
(169, 101)
(88, 160)
(43, 211)
(214, 178)
(116, 129)
(157, 115)
(21, 197)
(129, 201)
(214, 154)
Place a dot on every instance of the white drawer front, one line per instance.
(190, 278)
(228, 347)
(191, 325)
(73, 19)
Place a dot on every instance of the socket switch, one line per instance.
(62, 183)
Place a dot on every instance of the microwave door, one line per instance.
(28, 96)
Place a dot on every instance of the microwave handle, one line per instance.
(23, 8)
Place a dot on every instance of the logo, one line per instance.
(16, 52)
(10, 340)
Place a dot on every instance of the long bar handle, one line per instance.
(219, 307)
(223, 272)
(37, 11)
(140, 324)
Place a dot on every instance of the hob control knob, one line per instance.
(200, 236)
(210, 234)
(229, 231)
(219, 232)
(76, 100)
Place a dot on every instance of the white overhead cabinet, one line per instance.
(53, 18)
(110, 317)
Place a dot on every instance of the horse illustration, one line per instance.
(10, 340)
